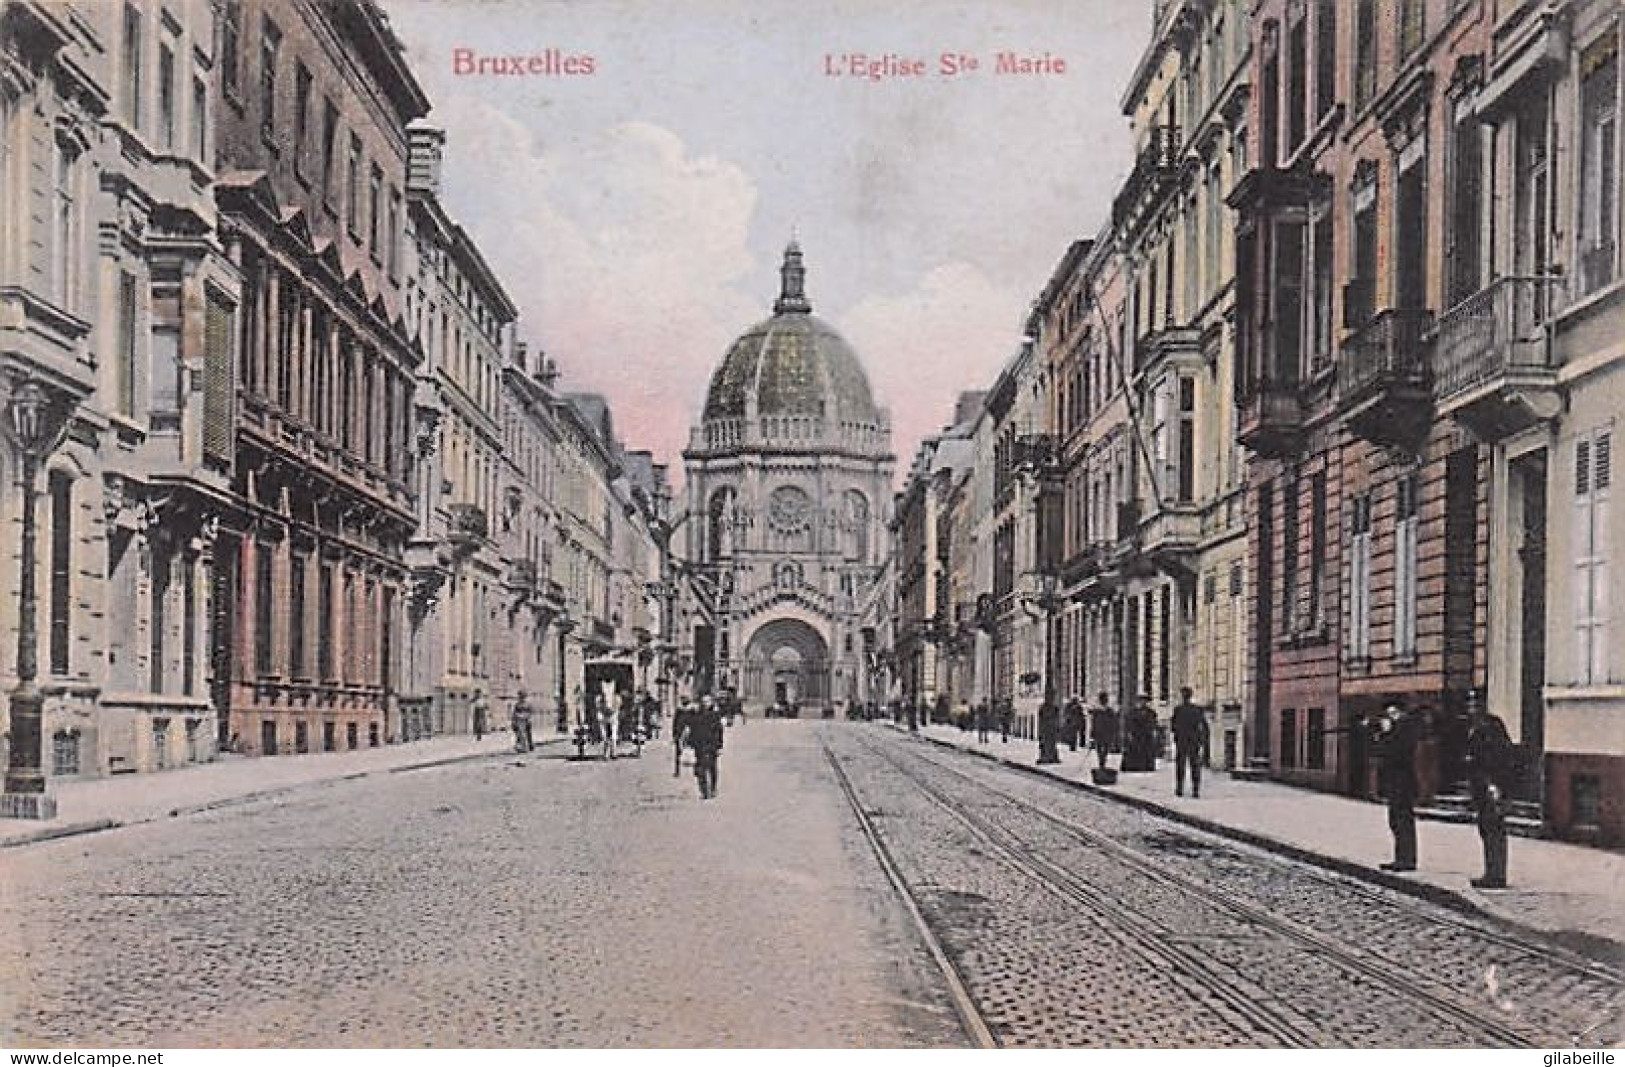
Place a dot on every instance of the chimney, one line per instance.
(521, 355)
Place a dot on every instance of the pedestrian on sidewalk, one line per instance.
(1397, 732)
(1103, 729)
(1489, 761)
(522, 739)
(681, 720)
(1073, 724)
(984, 722)
(609, 725)
(1190, 743)
(479, 715)
(705, 738)
(1139, 744)
(1007, 715)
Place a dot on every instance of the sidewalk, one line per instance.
(1569, 891)
(90, 804)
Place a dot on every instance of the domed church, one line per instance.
(789, 493)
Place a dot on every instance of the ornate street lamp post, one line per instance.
(35, 419)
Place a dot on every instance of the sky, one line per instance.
(638, 213)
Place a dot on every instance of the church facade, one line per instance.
(788, 487)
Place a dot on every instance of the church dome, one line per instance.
(793, 364)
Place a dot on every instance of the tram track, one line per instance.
(1269, 1014)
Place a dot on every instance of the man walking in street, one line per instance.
(1103, 729)
(1489, 759)
(705, 738)
(522, 740)
(1396, 738)
(681, 720)
(1190, 743)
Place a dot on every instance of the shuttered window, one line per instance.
(1405, 523)
(1593, 476)
(218, 387)
(1359, 643)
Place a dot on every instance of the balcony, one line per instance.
(1034, 451)
(1270, 420)
(1384, 389)
(1153, 177)
(1169, 538)
(1173, 345)
(466, 526)
(1491, 361)
(522, 575)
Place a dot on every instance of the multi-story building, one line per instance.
(118, 299)
(312, 145)
(1528, 366)
(461, 321)
(921, 524)
(1172, 230)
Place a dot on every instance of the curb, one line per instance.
(93, 826)
(1591, 945)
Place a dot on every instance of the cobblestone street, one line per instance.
(542, 901)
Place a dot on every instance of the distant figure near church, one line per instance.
(789, 478)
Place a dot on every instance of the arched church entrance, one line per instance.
(786, 661)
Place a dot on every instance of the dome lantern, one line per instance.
(792, 283)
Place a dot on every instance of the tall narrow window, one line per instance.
(1593, 474)
(1286, 335)
(166, 95)
(65, 235)
(1360, 296)
(270, 44)
(1316, 737)
(133, 47)
(330, 141)
(301, 119)
(324, 623)
(1297, 82)
(1599, 181)
(219, 392)
(1532, 187)
(162, 573)
(164, 378)
(124, 357)
(1325, 57)
(1411, 225)
(392, 235)
(1463, 241)
(1317, 550)
(352, 188)
(61, 570)
(375, 192)
(1405, 544)
(231, 36)
(1412, 26)
(1359, 640)
(1365, 51)
(200, 122)
(1289, 551)
(296, 616)
(1187, 440)
(264, 606)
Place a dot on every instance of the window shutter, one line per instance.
(218, 386)
(1601, 530)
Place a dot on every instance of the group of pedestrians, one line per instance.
(699, 727)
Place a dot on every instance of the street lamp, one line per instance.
(35, 419)
(1049, 716)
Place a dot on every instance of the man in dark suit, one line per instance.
(705, 738)
(1189, 725)
(1102, 728)
(1489, 760)
(1397, 733)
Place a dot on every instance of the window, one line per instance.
(296, 616)
(65, 242)
(1412, 26)
(392, 234)
(1599, 184)
(1360, 297)
(375, 192)
(330, 135)
(1325, 57)
(1317, 739)
(1532, 188)
(1297, 82)
(124, 355)
(1289, 738)
(1359, 640)
(162, 572)
(1410, 228)
(164, 382)
(1593, 474)
(218, 389)
(270, 43)
(1365, 51)
(132, 66)
(231, 21)
(301, 119)
(1187, 440)
(61, 569)
(1405, 523)
(264, 606)
(200, 122)
(352, 188)
(1285, 356)
(1463, 240)
(1317, 550)
(166, 95)
(1289, 551)
(324, 623)
(160, 744)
